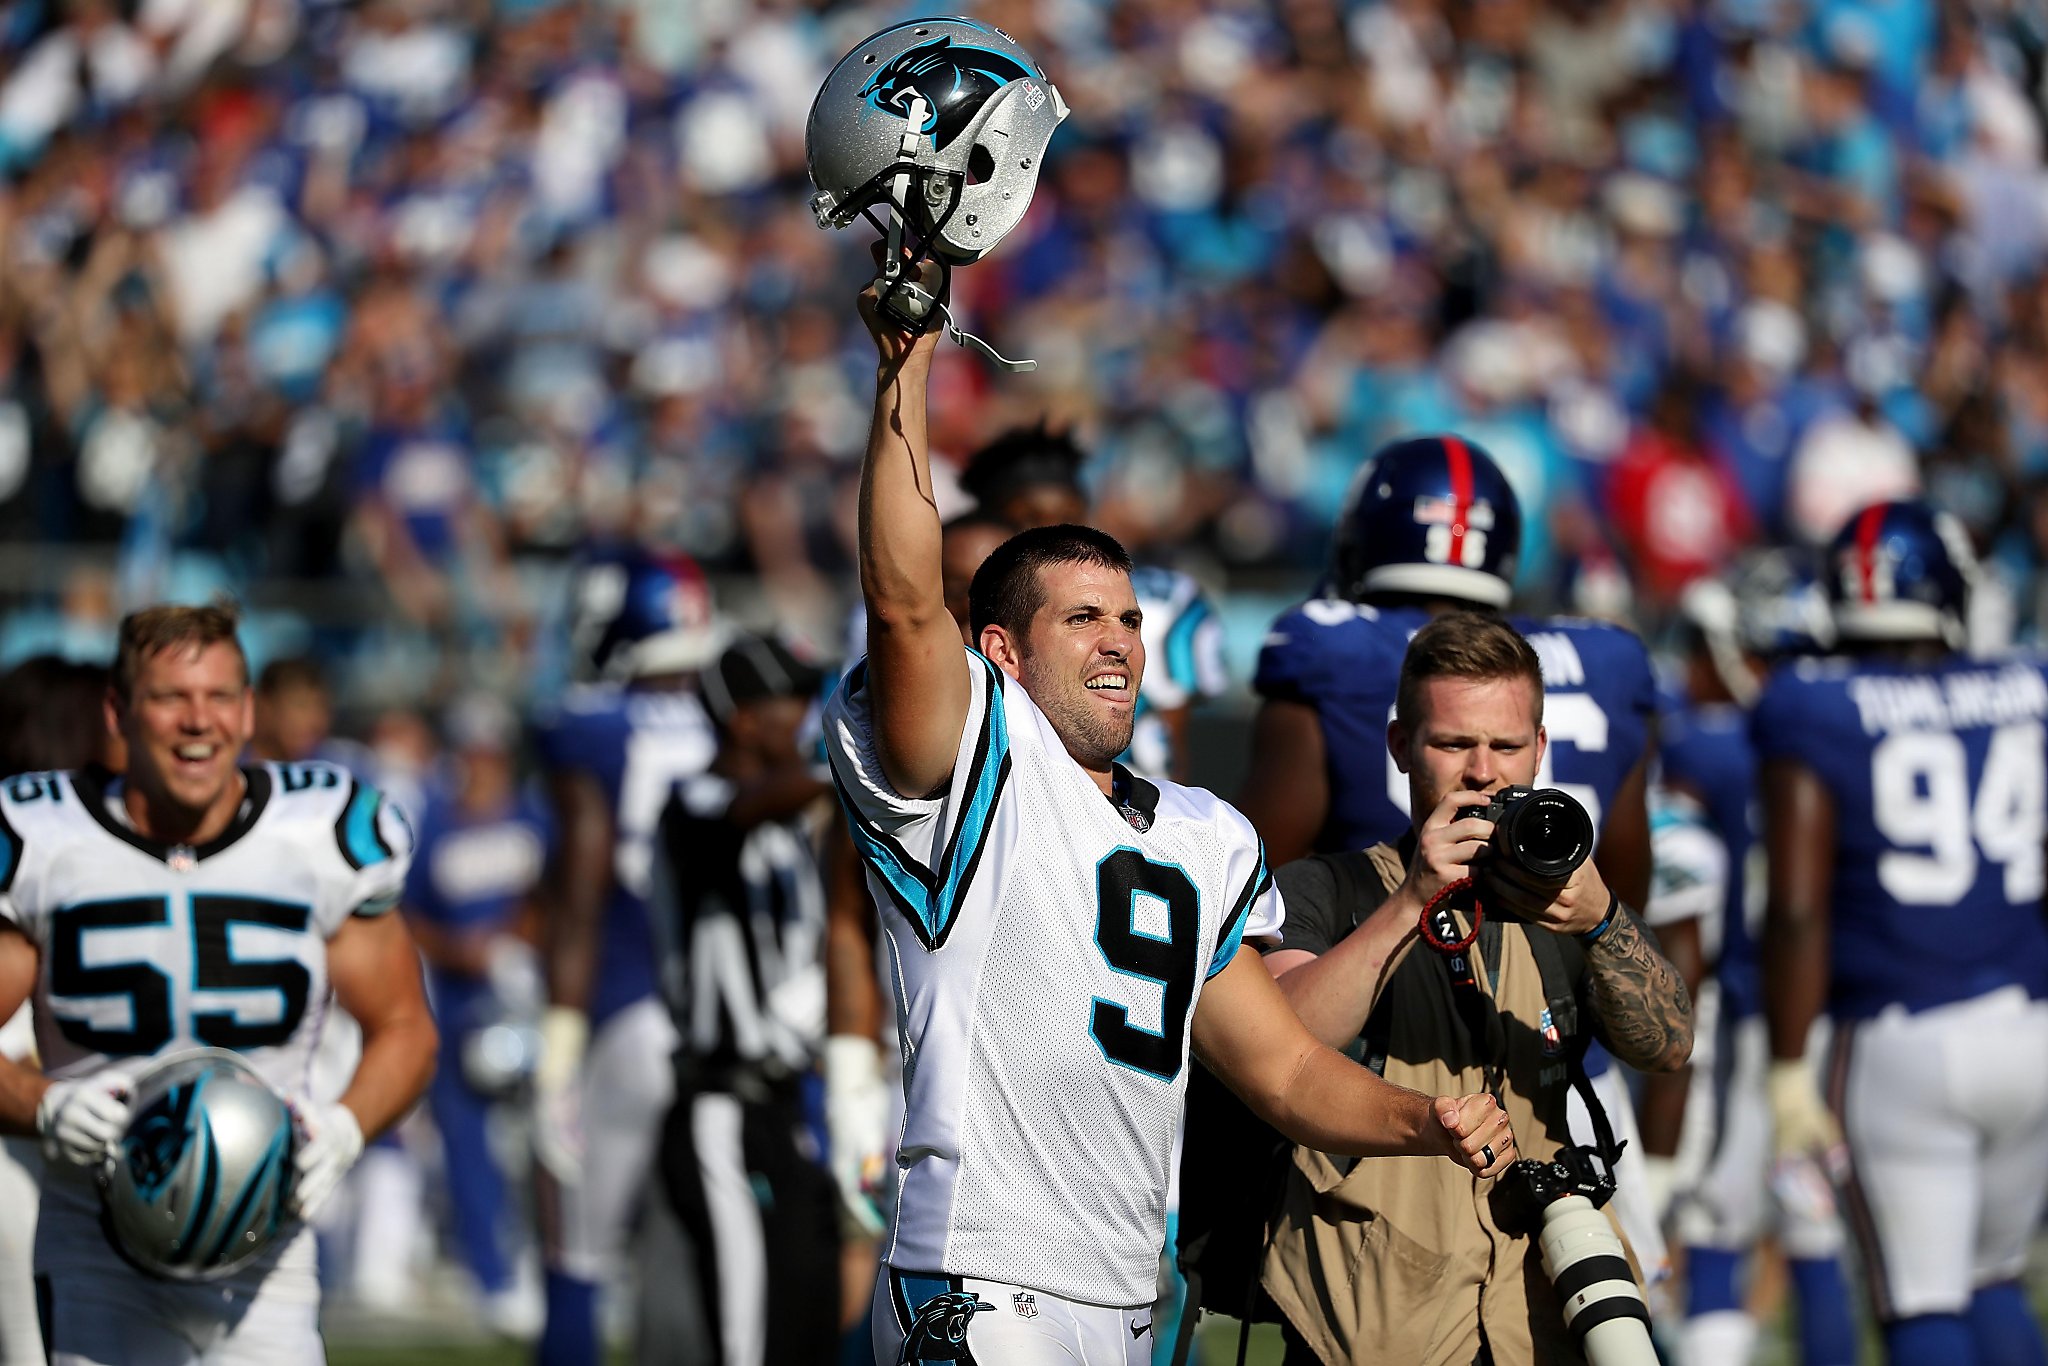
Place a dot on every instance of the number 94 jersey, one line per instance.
(149, 948)
(1047, 947)
(1939, 775)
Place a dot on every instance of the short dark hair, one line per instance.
(1474, 645)
(295, 673)
(149, 632)
(1006, 591)
(52, 714)
(1021, 458)
(977, 517)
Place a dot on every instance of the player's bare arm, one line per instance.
(21, 1088)
(1662, 1117)
(1624, 852)
(1287, 793)
(917, 674)
(1643, 1010)
(1247, 1035)
(576, 895)
(1334, 993)
(376, 976)
(1799, 838)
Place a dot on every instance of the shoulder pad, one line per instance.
(358, 829)
(307, 776)
(27, 801)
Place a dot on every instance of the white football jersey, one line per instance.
(150, 948)
(1048, 948)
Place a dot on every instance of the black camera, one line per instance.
(1543, 831)
(1529, 1187)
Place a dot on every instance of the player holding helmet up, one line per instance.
(1905, 803)
(196, 903)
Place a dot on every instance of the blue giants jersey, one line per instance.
(638, 746)
(1706, 751)
(1940, 785)
(1344, 659)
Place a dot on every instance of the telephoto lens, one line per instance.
(1602, 1306)
(1542, 831)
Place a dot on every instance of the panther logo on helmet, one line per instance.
(954, 79)
(199, 1185)
(156, 1143)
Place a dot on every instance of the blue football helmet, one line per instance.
(1431, 515)
(637, 613)
(1900, 571)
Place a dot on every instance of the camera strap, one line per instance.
(1465, 951)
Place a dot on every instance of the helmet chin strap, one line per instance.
(901, 295)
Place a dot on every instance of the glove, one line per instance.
(856, 1122)
(330, 1141)
(80, 1120)
(1801, 1126)
(557, 1106)
(1660, 1177)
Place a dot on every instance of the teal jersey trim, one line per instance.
(356, 831)
(931, 899)
(1181, 666)
(1260, 882)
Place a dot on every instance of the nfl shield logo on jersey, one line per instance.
(1026, 1304)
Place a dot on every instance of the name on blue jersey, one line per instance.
(1954, 702)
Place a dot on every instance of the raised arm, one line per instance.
(1247, 1035)
(917, 675)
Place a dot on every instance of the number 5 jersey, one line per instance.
(149, 948)
(1939, 775)
(1047, 947)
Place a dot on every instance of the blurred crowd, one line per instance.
(378, 314)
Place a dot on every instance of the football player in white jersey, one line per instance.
(1061, 934)
(193, 903)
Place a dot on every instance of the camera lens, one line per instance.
(1547, 834)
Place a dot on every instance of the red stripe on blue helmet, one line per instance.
(1868, 525)
(1460, 461)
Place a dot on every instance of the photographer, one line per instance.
(1395, 1260)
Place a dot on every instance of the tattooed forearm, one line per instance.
(1644, 1010)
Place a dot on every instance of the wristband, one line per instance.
(1439, 930)
(1594, 935)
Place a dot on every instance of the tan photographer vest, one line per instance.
(1399, 1259)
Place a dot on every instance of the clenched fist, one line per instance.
(1476, 1135)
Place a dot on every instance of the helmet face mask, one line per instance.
(942, 121)
(198, 1186)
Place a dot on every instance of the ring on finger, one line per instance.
(1486, 1154)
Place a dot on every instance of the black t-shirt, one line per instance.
(1328, 895)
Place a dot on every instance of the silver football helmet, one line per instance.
(198, 1186)
(952, 108)
(943, 123)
